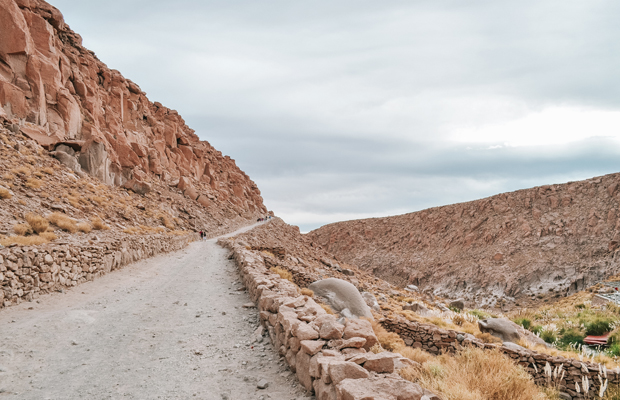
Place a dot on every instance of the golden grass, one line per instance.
(8, 177)
(284, 274)
(144, 230)
(48, 235)
(63, 221)
(488, 338)
(327, 309)
(23, 170)
(37, 222)
(84, 227)
(24, 240)
(166, 221)
(22, 229)
(48, 170)
(307, 292)
(5, 193)
(388, 340)
(475, 374)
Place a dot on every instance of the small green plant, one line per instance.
(614, 350)
(480, 314)
(548, 336)
(569, 337)
(524, 322)
(536, 329)
(598, 326)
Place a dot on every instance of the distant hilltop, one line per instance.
(504, 250)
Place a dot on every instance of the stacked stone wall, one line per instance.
(26, 272)
(436, 341)
(330, 357)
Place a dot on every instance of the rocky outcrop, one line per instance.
(507, 249)
(57, 92)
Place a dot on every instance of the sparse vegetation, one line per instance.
(284, 274)
(22, 229)
(5, 193)
(307, 292)
(24, 240)
(63, 221)
(37, 222)
(84, 227)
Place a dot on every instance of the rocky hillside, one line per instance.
(56, 92)
(505, 250)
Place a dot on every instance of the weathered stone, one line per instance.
(360, 328)
(312, 347)
(341, 370)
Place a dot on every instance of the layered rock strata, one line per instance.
(60, 94)
(544, 242)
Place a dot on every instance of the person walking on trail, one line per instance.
(201, 235)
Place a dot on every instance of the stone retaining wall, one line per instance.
(329, 356)
(26, 272)
(436, 340)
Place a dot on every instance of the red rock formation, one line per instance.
(59, 92)
(547, 241)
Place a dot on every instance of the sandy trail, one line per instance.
(171, 327)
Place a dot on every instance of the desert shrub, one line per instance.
(284, 274)
(48, 170)
(486, 337)
(536, 329)
(24, 240)
(84, 227)
(415, 354)
(524, 322)
(599, 325)
(307, 292)
(98, 224)
(548, 335)
(37, 222)
(475, 374)
(327, 309)
(614, 350)
(569, 337)
(63, 221)
(580, 306)
(458, 320)
(48, 235)
(5, 193)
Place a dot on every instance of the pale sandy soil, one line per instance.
(171, 327)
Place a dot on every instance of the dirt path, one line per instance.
(171, 327)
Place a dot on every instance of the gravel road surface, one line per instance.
(170, 327)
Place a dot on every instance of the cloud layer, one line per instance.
(350, 109)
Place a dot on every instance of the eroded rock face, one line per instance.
(500, 327)
(548, 241)
(58, 92)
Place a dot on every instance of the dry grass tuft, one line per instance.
(34, 183)
(415, 354)
(84, 227)
(63, 222)
(388, 340)
(478, 374)
(327, 309)
(37, 222)
(24, 240)
(166, 221)
(284, 274)
(5, 193)
(307, 292)
(22, 171)
(48, 235)
(48, 170)
(488, 338)
(22, 229)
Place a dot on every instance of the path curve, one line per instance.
(170, 327)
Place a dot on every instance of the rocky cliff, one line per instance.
(507, 249)
(58, 93)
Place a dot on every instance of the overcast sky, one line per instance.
(350, 109)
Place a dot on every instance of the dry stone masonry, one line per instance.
(436, 341)
(27, 272)
(329, 357)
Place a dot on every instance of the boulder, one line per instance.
(137, 186)
(371, 301)
(360, 328)
(379, 387)
(341, 370)
(500, 327)
(341, 295)
(459, 304)
(418, 308)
